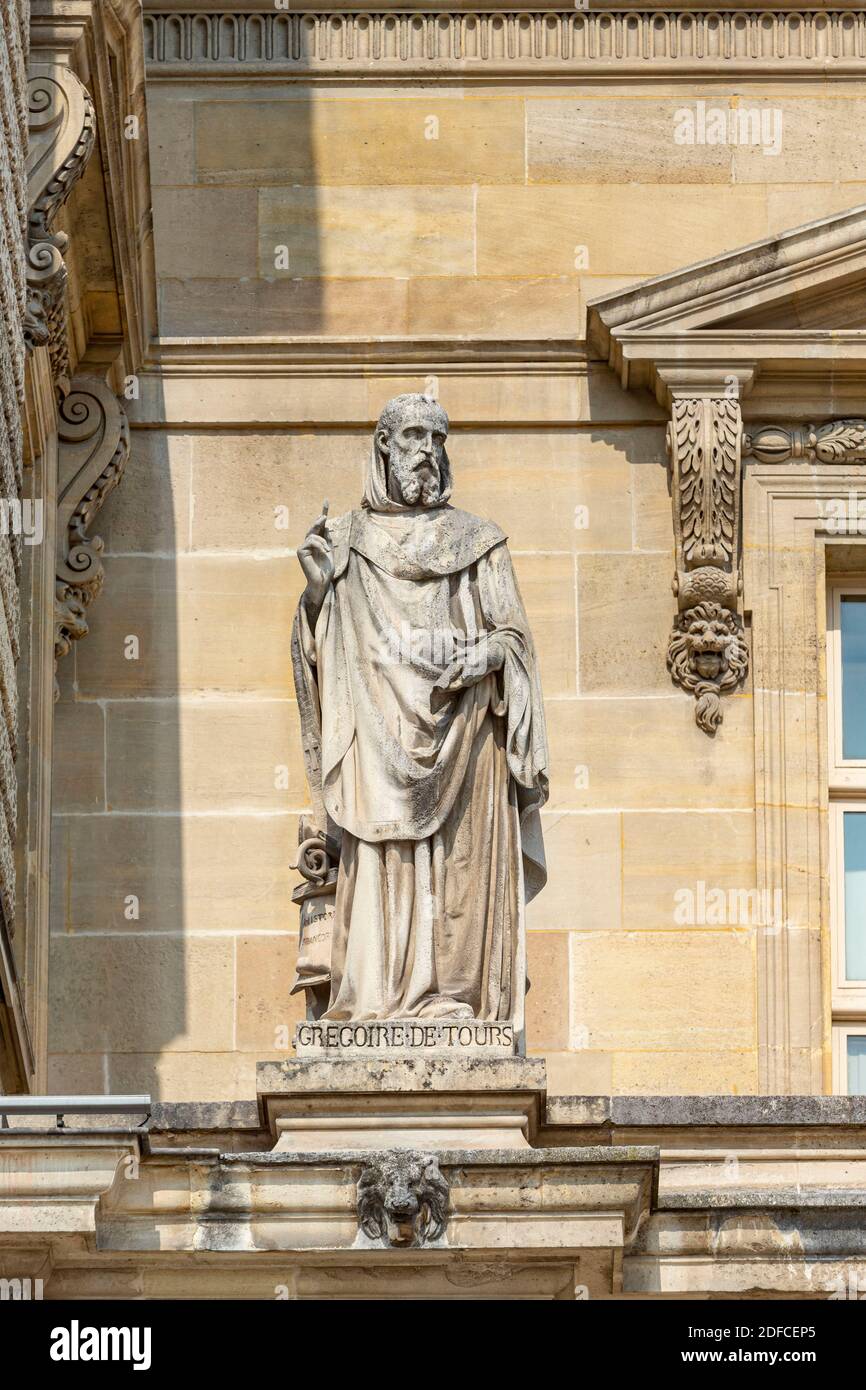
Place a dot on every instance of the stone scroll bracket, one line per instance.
(93, 448)
(707, 652)
(62, 134)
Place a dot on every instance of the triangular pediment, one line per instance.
(792, 303)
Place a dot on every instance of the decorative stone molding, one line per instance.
(707, 654)
(62, 129)
(402, 1199)
(838, 441)
(93, 449)
(514, 39)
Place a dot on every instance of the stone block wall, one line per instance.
(473, 217)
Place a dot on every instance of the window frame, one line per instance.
(845, 773)
(846, 792)
(849, 995)
(841, 1034)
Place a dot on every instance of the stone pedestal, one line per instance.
(453, 1164)
(324, 1103)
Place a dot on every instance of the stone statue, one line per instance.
(425, 748)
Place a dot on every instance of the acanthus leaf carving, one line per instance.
(93, 437)
(62, 133)
(705, 433)
(837, 441)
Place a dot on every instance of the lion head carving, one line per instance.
(402, 1199)
(707, 656)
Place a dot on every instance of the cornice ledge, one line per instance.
(711, 291)
(278, 355)
(55, 1182)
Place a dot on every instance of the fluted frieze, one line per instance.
(548, 41)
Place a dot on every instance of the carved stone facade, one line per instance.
(62, 132)
(73, 296)
(247, 228)
(520, 37)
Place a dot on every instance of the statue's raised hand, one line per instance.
(317, 561)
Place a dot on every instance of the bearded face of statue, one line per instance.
(414, 448)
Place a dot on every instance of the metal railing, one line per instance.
(72, 1105)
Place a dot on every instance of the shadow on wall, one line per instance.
(118, 961)
(172, 713)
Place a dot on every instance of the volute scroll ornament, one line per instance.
(93, 449)
(62, 133)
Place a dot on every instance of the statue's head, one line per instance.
(409, 446)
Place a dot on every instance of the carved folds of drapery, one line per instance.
(93, 449)
(707, 654)
(62, 131)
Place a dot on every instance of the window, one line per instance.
(846, 669)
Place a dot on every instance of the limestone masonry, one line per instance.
(432, 650)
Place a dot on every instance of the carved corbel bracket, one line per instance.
(707, 653)
(62, 133)
(93, 437)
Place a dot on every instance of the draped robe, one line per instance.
(435, 794)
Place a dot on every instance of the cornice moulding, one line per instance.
(307, 42)
(724, 7)
(823, 248)
(816, 357)
(294, 356)
(691, 316)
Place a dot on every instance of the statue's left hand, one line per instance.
(471, 667)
